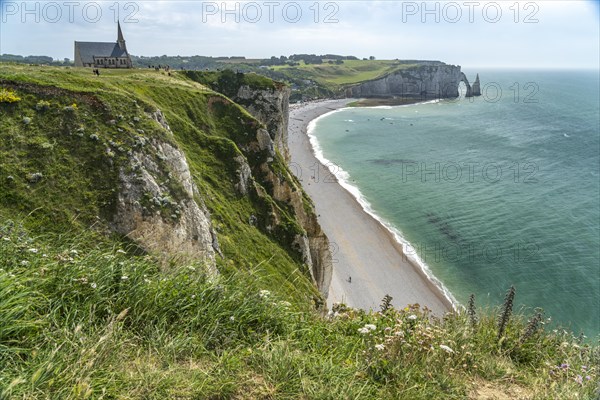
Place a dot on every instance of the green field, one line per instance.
(351, 71)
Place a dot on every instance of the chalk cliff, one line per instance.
(271, 107)
(429, 81)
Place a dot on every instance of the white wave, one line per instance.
(343, 178)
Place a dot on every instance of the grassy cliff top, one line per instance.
(351, 71)
(88, 315)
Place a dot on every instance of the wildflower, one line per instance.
(26, 120)
(93, 285)
(446, 348)
(264, 293)
(380, 346)
(34, 251)
(24, 263)
(74, 252)
(588, 378)
(564, 366)
(147, 280)
(45, 255)
(412, 317)
(363, 330)
(35, 177)
(370, 327)
(579, 379)
(232, 318)
(124, 277)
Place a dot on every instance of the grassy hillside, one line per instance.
(86, 314)
(80, 138)
(351, 71)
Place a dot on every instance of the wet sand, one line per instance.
(368, 261)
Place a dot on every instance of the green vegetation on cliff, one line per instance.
(86, 313)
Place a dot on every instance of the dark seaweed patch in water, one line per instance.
(443, 226)
(392, 161)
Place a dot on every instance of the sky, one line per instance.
(500, 34)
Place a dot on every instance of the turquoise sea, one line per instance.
(490, 192)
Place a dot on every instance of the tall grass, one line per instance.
(81, 320)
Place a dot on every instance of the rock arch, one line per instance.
(474, 90)
(463, 78)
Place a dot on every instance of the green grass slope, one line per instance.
(85, 314)
(65, 140)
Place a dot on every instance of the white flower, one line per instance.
(147, 280)
(363, 330)
(232, 318)
(380, 346)
(24, 263)
(34, 251)
(446, 348)
(264, 293)
(74, 252)
(93, 285)
(45, 255)
(124, 277)
(412, 317)
(370, 327)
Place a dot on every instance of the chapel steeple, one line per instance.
(120, 38)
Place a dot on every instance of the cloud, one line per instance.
(565, 34)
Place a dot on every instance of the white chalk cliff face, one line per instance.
(271, 107)
(159, 206)
(426, 81)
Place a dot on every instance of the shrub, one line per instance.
(8, 96)
(42, 105)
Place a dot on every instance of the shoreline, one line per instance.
(369, 261)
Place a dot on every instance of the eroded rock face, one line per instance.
(159, 206)
(426, 82)
(244, 175)
(314, 244)
(466, 82)
(271, 107)
(477, 87)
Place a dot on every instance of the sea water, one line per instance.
(489, 192)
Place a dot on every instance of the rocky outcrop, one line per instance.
(426, 81)
(477, 87)
(466, 82)
(271, 107)
(244, 175)
(159, 206)
(313, 244)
